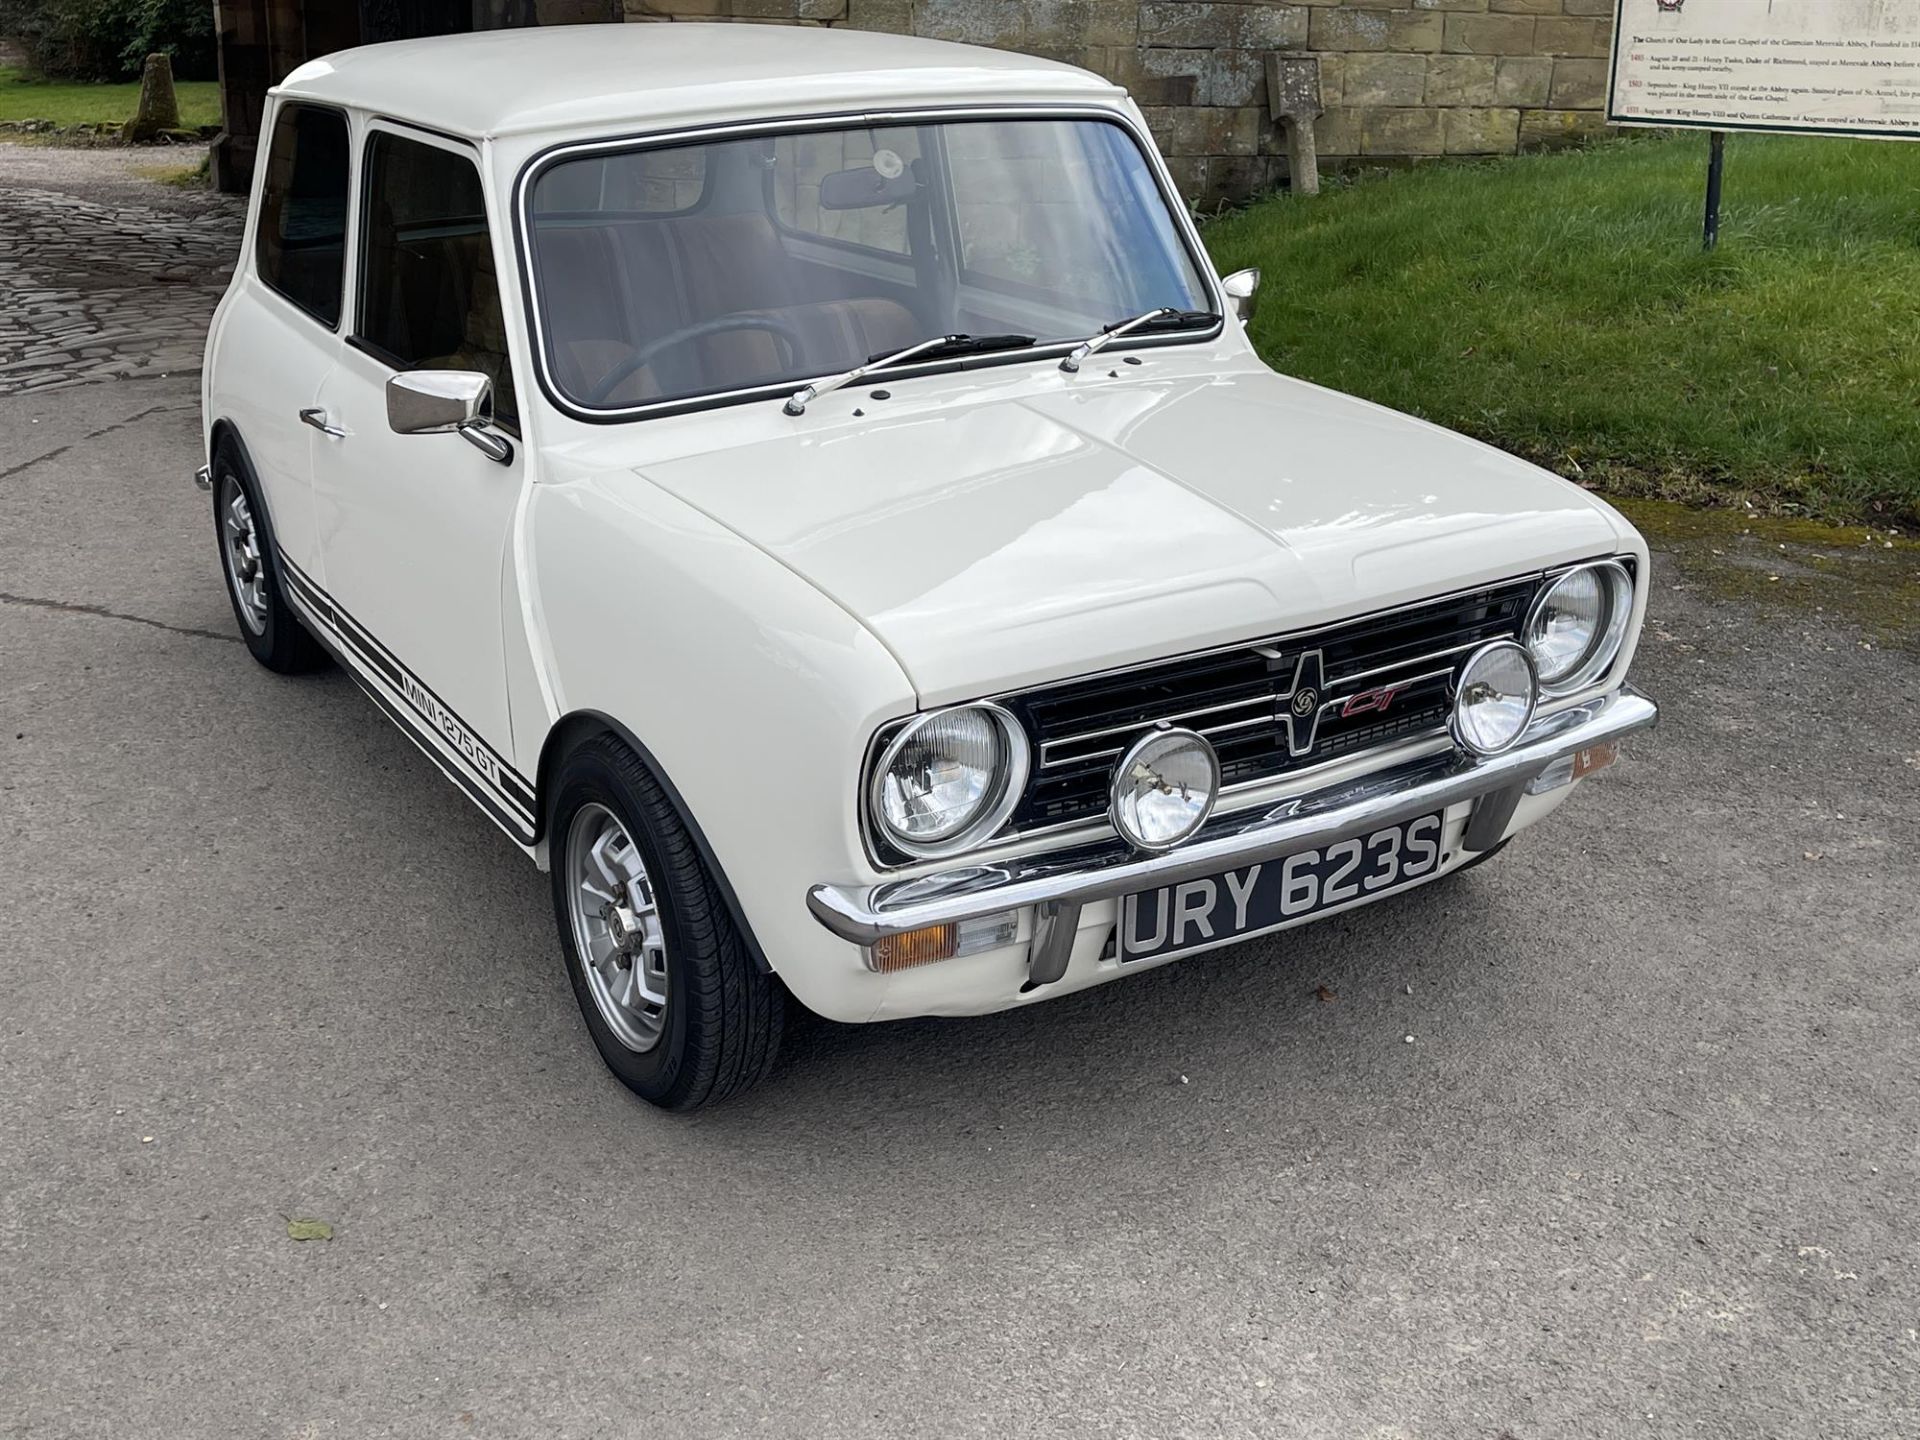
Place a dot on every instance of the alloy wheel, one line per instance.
(616, 927)
(240, 539)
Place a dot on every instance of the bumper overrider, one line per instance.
(1057, 884)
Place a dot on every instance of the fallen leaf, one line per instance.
(303, 1229)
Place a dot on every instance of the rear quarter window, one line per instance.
(301, 244)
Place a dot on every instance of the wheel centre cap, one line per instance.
(623, 925)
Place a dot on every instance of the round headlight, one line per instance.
(1164, 788)
(1496, 697)
(1577, 624)
(949, 778)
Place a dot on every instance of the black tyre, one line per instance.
(1484, 856)
(674, 1002)
(251, 565)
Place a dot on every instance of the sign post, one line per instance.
(1794, 67)
(1716, 170)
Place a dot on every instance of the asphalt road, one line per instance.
(1647, 1167)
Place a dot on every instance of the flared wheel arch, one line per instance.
(577, 729)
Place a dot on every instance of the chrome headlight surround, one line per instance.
(1002, 795)
(1123, 789)
(1610, 632)
(1471, 692)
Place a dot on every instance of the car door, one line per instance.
(414, 529)
(279, 334)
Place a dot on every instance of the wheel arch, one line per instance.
(576, 729)
(223, 432)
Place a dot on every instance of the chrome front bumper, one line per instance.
(1062, 881)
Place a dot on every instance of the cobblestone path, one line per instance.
(113, 283)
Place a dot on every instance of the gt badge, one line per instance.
(1371, 702)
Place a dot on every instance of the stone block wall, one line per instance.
(1400, 79)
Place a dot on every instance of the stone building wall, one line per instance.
(1399, 78)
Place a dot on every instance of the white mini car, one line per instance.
(810, 490)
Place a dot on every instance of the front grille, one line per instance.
(1235, 698)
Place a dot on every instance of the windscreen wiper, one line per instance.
(963, 345)
(939, 347)
(1165, 318)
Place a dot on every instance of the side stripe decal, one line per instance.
(431, 707)
(493, 783)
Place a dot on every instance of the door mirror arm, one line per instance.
(490, 443)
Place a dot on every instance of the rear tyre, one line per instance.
(675, 1004)
(251, 566)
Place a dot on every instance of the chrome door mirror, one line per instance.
(440, 402)
(433, 402)
(1241, 287)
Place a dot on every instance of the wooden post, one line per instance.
(159, 110)
(1293, 100)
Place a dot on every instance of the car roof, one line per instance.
(599, 78)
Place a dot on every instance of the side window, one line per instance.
(429, 295)
(301, 247)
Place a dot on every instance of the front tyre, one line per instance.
(674, 1002)
(1484, 855)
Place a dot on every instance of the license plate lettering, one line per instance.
(1261, 896)
(1339, 889)
(1386, 864)
(1193, 909)
(1301, 890)
(1240, 885)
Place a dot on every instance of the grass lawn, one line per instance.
(1560, 306)
(25, 98)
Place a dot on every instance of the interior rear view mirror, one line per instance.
(865, 188)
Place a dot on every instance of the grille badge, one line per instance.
(1299, 709)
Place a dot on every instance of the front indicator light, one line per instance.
(943, 942)
(1577, 766)
(1495, 697)
(915, 947)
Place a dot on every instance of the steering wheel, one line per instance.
(645, 354)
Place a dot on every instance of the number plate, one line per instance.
(1200, 913)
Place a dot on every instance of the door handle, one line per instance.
(317, 418)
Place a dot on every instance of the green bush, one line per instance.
(108, 39)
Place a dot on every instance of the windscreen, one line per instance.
(680, 271)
